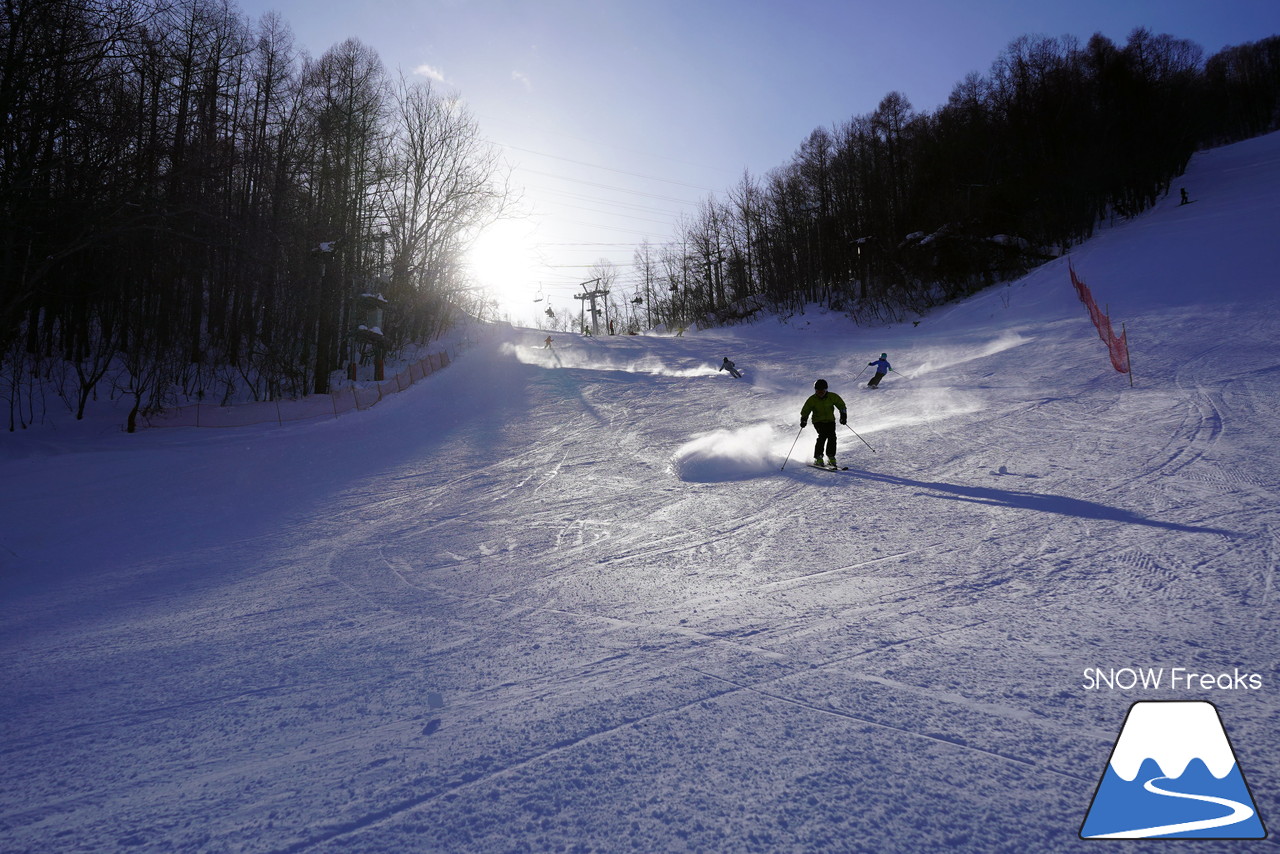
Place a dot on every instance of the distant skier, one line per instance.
(822, 404)
(1185, 199)
(547, 345)
(882, 367)
(726, 365)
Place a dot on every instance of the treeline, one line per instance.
(899, 210)
(191, 206)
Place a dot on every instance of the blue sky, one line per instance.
(618, 117)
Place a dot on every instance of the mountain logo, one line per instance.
(1172, 775)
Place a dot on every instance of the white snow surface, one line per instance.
(569, 600)
(1172, 733)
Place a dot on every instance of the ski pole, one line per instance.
(864, 441)
(793, 447)
(904, 376)
(860, 373)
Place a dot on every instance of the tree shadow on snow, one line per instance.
(1018, 499)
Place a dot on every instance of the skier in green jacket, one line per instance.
(822, 405)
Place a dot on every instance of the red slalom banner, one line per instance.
(1117, 345)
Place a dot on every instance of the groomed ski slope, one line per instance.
(567, 600)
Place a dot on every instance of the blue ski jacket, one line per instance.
(882, 366)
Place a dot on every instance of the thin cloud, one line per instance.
(523, 79)
(430, 72)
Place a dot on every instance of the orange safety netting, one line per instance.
(1117, 345)
(301, 409)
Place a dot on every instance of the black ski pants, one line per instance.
(875, 381)
(826, 436)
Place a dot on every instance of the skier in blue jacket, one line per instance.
(882, 367)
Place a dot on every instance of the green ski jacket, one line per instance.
(823, 408)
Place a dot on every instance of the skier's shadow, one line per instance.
(1018, 499)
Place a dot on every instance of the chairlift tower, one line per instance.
(593, 295)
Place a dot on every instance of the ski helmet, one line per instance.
(819, 385)
(884, 355)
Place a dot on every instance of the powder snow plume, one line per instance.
(937, 358)
(729, 455)
(584, 355)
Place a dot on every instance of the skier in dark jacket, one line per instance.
(726, 365)
(882, 367)
(822, 404)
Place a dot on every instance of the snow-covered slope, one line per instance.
(569, 599)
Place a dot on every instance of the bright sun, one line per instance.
(504, 261)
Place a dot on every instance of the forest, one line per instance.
(895, 211)
(193, 208)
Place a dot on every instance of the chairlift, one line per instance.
(539, 297)
(551, 314)
(638, 301)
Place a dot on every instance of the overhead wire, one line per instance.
(608, 168)
(617, 203)
(590, 198)
(616, 147)
(608, 186)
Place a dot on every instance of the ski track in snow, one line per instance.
(489, 614)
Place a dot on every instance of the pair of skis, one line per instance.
(828, 468)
